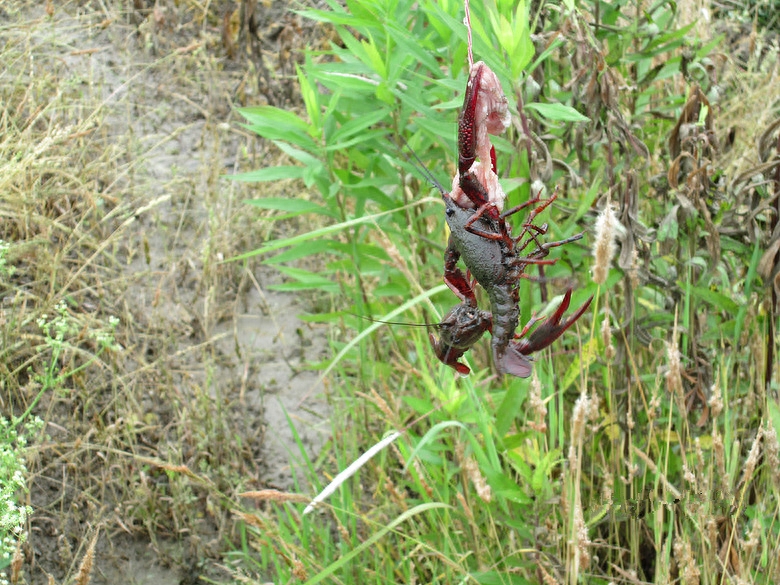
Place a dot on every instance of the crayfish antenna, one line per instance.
(421, 168)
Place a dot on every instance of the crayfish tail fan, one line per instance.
(513, 362)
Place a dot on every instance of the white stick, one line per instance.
(467, 22)
(351, 470)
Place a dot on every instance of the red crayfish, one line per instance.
(480, 236)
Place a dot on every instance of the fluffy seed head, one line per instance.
(674, 373)
(606, 338)
(752, 458)
(715, 402)
(579, 417)
(536, 405)
(581, 537)
(772, 450)
(604, 248)
(633, 271)
(683, 554)
(478, 480)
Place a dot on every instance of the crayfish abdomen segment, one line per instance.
(506, 314)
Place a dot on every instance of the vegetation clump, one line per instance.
(642, 449)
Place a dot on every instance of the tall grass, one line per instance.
(644, 449)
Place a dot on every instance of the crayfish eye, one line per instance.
(450, 211)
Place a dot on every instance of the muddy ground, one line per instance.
(193, 401)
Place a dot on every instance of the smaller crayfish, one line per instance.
(481, 237)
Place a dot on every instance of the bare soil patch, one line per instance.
(150, 443)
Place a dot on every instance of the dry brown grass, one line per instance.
(116, 125)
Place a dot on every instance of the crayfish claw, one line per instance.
(462, 369)
(556, 317)
(449, 355)
(460, 329)
(552, 328)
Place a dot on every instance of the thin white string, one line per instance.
(350, 471)
(467, 22)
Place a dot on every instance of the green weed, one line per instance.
(13, 470)
(639, 451)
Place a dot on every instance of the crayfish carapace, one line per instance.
(482, 239)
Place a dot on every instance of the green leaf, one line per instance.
(519, 465)
(336, 18)
(557, 112)
(418, 405)
(310, 97)
(302, 156)
(277, 124)
(509, 408)
(269, 174)
(349, 82)
(298, 252)
(365, 136)
(437, 126)
(590, 352)
(400, 35)
(542, 471)
(358, 125)
(523, 47)
(585, 204)
(391, 289)
(283, 204)
(514, 440)
(371, 540)
(290, 205)
(305, 281)
(431, 436)
(273, 116)
(716, 299)
(705, 50)
(357, 49)
(499, 578)
(374, 58)
(546, 53)
(666, 42)
(504, 487)
(374, 326)
(284, 242)
(773, 412)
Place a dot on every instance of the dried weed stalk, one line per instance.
(85, 568)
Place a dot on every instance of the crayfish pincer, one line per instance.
(482, 239)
